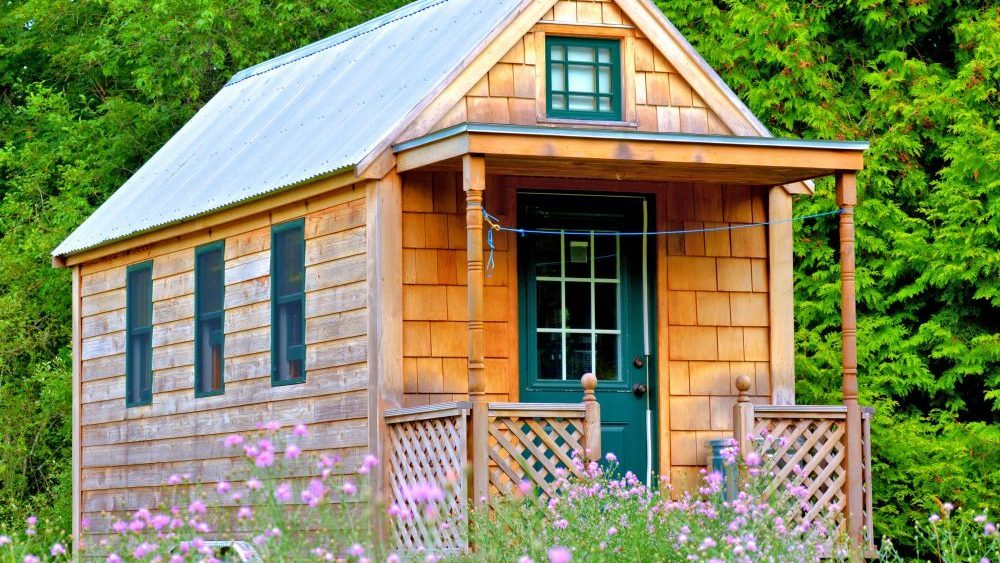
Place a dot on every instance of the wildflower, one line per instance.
(707, 543)
(160, 521)
(260, 540)
(32, 520)
(979, 519)
(300, 430)
(524, 487)
(560, 524)
(752, 459)
(176, 558)
(990, 529)
(4, 540)
(610, 457)
(934, 518)
(119, 527)
(393, 558)
(292, 451)
(136, 526)
(560, 555)
(174, 480)
(525, 559)
(196, 507)
(367, 464)
(113, 558)
(356, 550)
(244, 513)
(283, 493)
(264, 459)
(348, 488)
(222, 487)
(144, 549)
(232, 440)
(253, 484)
(272, 426)
(31, 559)
(612, 531)
(423, 493)
(948, 507)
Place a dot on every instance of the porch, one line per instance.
(497, 427)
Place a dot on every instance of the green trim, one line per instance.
(219, 246)
(130, 375)
(615, 66)
(612, 135)
(276, 300)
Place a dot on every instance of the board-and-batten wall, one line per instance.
(656, 97)
(127, 453)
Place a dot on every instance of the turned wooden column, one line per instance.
(847, 198)
(591, 418)
(474, 183)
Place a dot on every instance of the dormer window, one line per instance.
(584, 78)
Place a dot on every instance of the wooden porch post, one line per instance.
(474, 183)
(847, 198)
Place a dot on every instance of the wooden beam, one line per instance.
(76, 442)
(585, 29)
(781, 302)
(444, 150)
(474, 184)
(847, 198)
(384, 217)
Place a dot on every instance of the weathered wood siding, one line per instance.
(656, 97)
(435, 299)
(127, 453)
(717, 316)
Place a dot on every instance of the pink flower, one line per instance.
(31, 559)
(222, 487)
(349, 488)
(4, 540)
(272, 426)
(934, 518)
(32, 520)
(283, 493)
(174, 480)
(560, 524)
(253, 484)
(300, 430)
(244, 513)
(136, 526)
(196, 507)
(292, 451)
(232, 440)
(57, 550)
(753, 459)
(176, 558)
(524, 487)
(560, 555)
(356, 550)
(611, 458)
(119, 527)
(525, 559)
(160, 521)
(113, 558)
(369, 462)
(393, 558)
(264, 459)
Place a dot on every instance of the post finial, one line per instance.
(743, 385)
(589, 383)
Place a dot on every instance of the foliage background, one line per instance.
(89, 89)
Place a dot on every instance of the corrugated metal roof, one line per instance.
(301, 116)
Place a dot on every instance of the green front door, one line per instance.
(585, 307)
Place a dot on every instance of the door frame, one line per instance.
(656, 361)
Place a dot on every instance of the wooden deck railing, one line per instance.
(434, 445)
(806, 446)
(427, 446)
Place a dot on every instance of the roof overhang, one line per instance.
(630, 155)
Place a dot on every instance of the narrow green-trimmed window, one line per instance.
(584, 78)
(139, 335)
(209, 296)
(288, 320)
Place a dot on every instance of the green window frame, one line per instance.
(583, 78)
(139, 334)
(288, 319)
(209, 319)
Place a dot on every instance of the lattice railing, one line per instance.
(532, 442)
(804, 446)
(427, 446)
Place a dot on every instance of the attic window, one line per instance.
(584, 78)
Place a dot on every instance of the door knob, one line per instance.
(639, 389)
(638, 362)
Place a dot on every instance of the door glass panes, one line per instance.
(577, 305)
(584, 77)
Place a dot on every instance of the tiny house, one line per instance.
(460, 207)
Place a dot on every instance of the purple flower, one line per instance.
(292, 451)
(560, 555)
(264, 459)
(136, 526)
(31, 559)
(113, 558)
(356, 550)
(32, 520)
(174, 480)
(300, 430)
(524, 487)
(222, 487)
(4, 540)
(196, 507)
(244, 513)
(560, 524)
(611, 458)
(232, 440)
(283, 493)
(253, 484)
(753, 459)
(272, 426)
(393, 558)
(934, 518)
(348, 488)
(525, 559)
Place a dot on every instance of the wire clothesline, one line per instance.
(494, 223)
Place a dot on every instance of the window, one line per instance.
(288, 323)
(139, 335)
(209, 293)
(584, 78)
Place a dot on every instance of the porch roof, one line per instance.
(630, 155)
